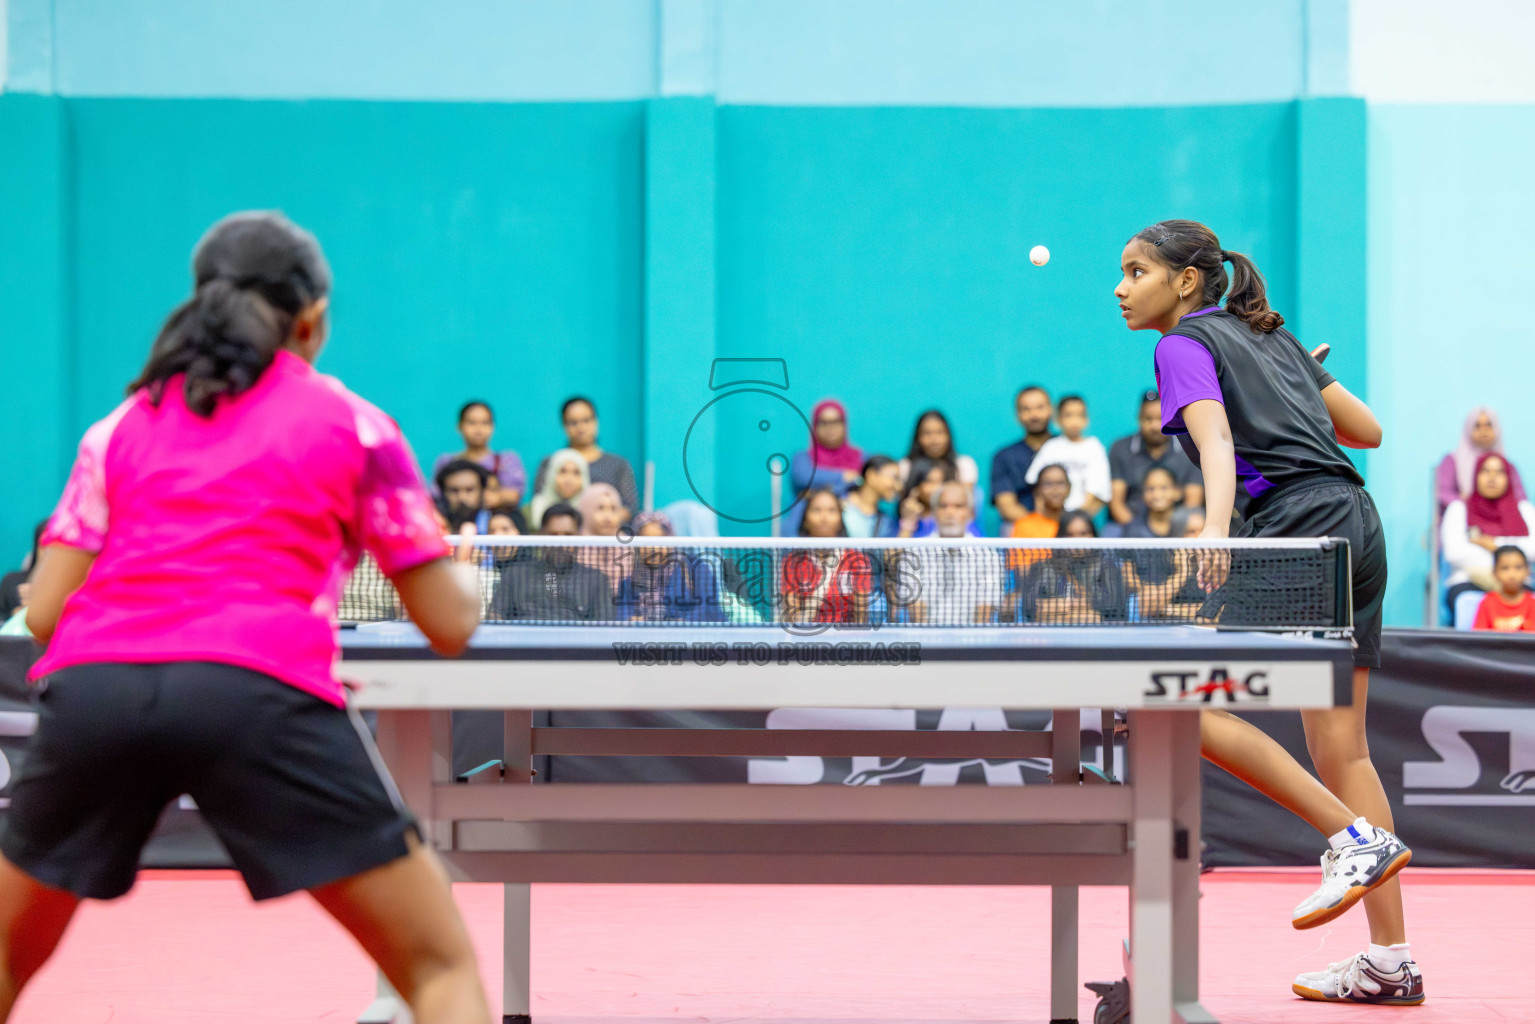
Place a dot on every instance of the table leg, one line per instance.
(1185, 889)
(1151, 918)
(1065, 770)
(516, 952)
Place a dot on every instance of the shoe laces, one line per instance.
(1348, 973)
(1335, 864)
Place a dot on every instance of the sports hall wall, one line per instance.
(528, 200)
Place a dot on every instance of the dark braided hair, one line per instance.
(253, 274)
(1177, 244)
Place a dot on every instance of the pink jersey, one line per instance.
(229, 539)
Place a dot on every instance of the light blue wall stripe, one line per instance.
(1451, 213)
(401, 49)
(1326, 42)
(1010, 53)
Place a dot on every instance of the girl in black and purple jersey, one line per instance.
(1255, 410)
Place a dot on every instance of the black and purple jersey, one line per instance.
(1271, 388)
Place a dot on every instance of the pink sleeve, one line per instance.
(80, 519)
(396, 517)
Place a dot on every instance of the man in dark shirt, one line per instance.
(551, 585)
(1013, 497)
(462, 486)
(1131, 458)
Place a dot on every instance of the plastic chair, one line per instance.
(1465, 608)
(692, 519)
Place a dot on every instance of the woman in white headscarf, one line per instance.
(1457, 472)
(565, 482)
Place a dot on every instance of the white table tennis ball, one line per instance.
(1039, 255)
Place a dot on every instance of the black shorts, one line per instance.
(1325, 507)
(292, 786)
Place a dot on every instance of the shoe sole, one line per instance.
(1354, 895)
(1313, 994)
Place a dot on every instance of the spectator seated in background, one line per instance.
(1132, 457)
(1511, 607)
(602, 515)
(16, 623)
(1052, 486)
(579, 417)
(550, 584)
(957, 584)
(11, 582)
(934, 441)
(831, 460)
(1159, 494)
(508, 479)
(831, 585)
(865, 512)
(1456, 477)
(1075, 586)
(1010, 491)
(920, 500)
(668, 584)
(1086, 462)
(1188, 600)
(1473, 529)
(461, 484)
(562, 480)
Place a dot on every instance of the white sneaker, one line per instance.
(1359, 980)
(1350, 873)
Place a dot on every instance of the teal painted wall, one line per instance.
(485, 251)
(34, 354)
(522, 253)
(1451, 213)
(884, 252)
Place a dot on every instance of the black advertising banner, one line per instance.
(1452, 733)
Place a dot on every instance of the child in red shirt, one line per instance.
(1510, 609)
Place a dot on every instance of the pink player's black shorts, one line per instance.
(291, 785)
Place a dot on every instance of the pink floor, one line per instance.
(190, 948)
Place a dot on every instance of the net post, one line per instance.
(1343, 582)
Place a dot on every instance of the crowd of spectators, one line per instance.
(1486, 531)
(1056, 480)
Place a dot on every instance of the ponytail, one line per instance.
(255, 273)
(221, 340)
(1177, 244)
(1248, 300)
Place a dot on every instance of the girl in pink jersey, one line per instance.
(186, 590)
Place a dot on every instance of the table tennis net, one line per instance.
(1270, 585)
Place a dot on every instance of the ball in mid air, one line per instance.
(1039, 255)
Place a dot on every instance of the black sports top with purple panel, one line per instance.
(1272, 390)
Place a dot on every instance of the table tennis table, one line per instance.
(1138, 827)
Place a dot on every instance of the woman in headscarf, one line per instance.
(667, 584)
(602, 514)
(566, 481)
(1456, 477)
(830, 461)
(1474, 528)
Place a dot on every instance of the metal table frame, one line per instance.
(494, 826)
